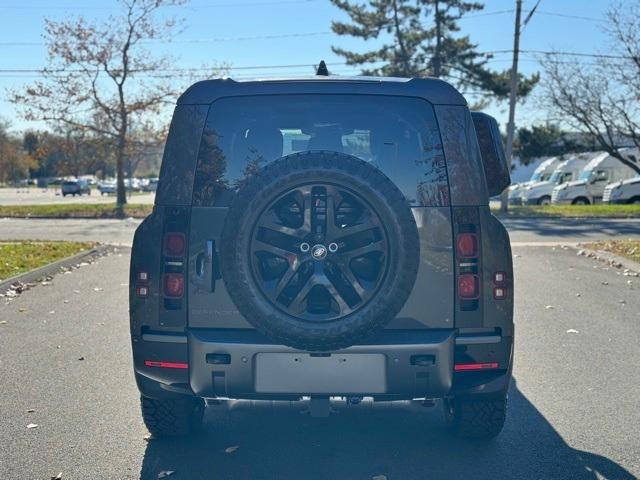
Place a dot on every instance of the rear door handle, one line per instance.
(205, 268)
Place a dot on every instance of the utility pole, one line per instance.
(513, 95)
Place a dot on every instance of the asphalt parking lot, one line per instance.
(65, 354)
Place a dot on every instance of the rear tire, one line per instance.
(635, 201)
(172, 417)
(580, 201)
(546, 200)
(475, 418)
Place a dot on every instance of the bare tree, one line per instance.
(602, 98)
(100, 78)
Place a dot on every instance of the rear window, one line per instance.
(398, 135)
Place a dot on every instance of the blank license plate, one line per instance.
(331, 375)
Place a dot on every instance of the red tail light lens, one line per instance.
(468, 286)
(152, 363)
(173, 285)
(467, 245)
(465, 367)
(174, 244)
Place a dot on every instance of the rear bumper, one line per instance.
(395, 365)
(413, 365)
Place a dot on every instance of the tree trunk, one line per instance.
(121, 193)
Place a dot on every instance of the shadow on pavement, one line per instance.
(398, 441)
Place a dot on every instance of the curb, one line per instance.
(52, 268)
(609, 258)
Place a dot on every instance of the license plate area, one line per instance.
(330, 374)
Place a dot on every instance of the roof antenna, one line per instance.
(322, 69)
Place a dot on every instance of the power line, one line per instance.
(192, 7)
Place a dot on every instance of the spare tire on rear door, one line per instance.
(319, 250)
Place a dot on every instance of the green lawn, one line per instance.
(23, 256)
(625, 248)
(74, 210)
(586, 211)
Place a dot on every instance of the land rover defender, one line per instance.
(325, 237)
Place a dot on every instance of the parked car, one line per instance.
(151, 185)
(327, 266)
(597, 174)
(539, 193)
(542, 173)
(75, 187)
(106, 188)
(625, 191)
(132, 185)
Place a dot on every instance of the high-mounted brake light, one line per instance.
(467, 245)
(468, 286)
(152, 363)
(174, 244)
(465, 367)
(173, 285)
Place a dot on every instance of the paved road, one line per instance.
(522, 231)
(39, 196)
(574, 403)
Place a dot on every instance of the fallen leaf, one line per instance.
(57, 477)
(148, 437)
(31, 410)
(66, 301)
(165, 473)
(2, 322)
(231, 449)
(32, 425)
(22, 309)
(51, 312)
(45, 283)
(76, 291)
(81, 358)
(578, 294)
(572, 330)
(97, 289)
(549, 307)
(605, 283)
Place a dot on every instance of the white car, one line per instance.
(106, 188)
(626, 191)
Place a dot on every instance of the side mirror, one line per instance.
(494, 159)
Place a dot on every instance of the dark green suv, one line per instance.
(320, 238)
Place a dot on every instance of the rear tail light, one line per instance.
(153, 363)
(174, 244)
(467, 245)
(142, 291)
(465, 367)
(173, 285)
(468, 286)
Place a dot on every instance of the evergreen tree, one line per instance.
(424, 40)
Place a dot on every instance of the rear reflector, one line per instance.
(173, 285)
(151, 363)
(174, 245)
(467, 245)
(499, 278)
(143, 277)
(468, 286)
(464, 367)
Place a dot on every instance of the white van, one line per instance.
(626, 191)
(599, 172)
(542, 173)
(539, 193)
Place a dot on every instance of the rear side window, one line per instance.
(398, 135)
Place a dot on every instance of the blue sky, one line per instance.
(238, 31)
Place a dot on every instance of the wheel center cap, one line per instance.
(318, 252)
